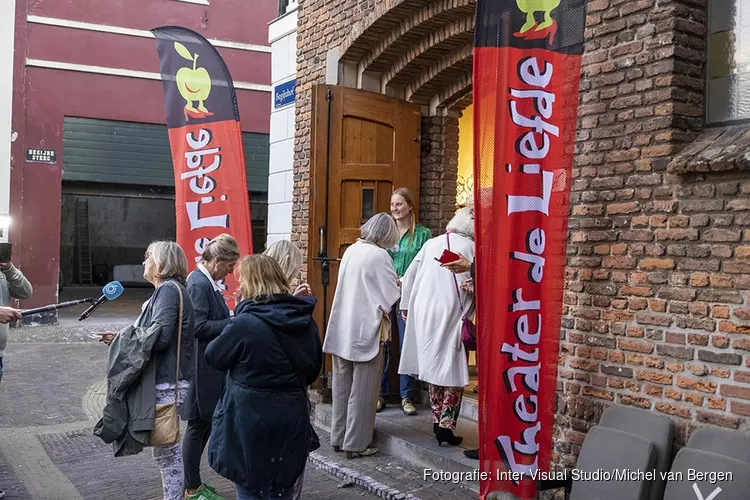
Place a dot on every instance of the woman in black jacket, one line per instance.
(272, 353)
(211, 316)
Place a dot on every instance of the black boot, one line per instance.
(435, 428)
(446, 436)
(474, 454)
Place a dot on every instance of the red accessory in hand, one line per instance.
(447, 257)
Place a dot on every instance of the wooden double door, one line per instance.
(364, 145)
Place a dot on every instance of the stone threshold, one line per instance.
(352, 477)
(410, 439)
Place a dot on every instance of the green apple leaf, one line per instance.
(183, 51)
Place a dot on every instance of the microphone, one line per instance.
(111, 291)
(53, 307)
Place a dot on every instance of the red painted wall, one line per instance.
(237, 20)
(43, 97)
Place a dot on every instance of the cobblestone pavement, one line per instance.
(51, 395)
(49, 398)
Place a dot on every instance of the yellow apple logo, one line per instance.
(194, 84)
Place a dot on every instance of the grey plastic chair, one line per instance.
(732, 444)
(651, 426)
(685, 487)
(609, 450)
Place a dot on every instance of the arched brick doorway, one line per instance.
(417, 51)
(421, 52)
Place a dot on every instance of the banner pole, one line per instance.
(203, 121)
(527, 63)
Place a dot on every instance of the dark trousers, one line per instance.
(406, 382)
(193, 444)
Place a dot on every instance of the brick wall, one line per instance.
(656, 303)
(439, 172)
(656, 306)
(331, 24)
(322, 25)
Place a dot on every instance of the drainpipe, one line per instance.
(7, 35)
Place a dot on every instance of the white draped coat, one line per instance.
(367, 289)
(433, 351)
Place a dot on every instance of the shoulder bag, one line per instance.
(166, 429)
(468, 328)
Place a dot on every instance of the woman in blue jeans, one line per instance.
(413, 236)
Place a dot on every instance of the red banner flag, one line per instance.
(527, 61)
(211, 195)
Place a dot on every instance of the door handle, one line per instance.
(326, 259)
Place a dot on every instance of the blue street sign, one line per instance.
(284, 93)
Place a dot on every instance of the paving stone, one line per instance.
(83, 458)
(43, 383)
(47, 449)
(12, 484)
(61, 333)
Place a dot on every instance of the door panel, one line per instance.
(364, 145)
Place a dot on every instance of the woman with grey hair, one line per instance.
(436, 303)
(358, 326)
(165, 267)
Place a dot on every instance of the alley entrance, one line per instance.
(118, 197)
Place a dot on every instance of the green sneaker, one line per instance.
(205, 492)
(209, 488)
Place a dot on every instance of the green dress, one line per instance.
(407, 250)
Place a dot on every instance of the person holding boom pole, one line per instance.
(13, 285)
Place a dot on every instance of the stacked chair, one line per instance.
(711, 450)
(625, 439)
(639, 440)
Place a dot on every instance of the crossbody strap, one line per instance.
(179, 342)
(455, 280)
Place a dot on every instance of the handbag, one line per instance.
(468, 328)
(166, 429)
(313, 441)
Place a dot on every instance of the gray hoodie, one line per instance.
(13, 285)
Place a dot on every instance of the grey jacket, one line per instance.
(128, 416)
(162, 309)
(140, 358)
(13, 285)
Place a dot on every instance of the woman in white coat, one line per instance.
(435, 302)
(358, 326)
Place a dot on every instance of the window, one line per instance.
(368, 204)
(728, 72)
(287, 6)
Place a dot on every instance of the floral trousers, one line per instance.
(446, 405)
(169, 458)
